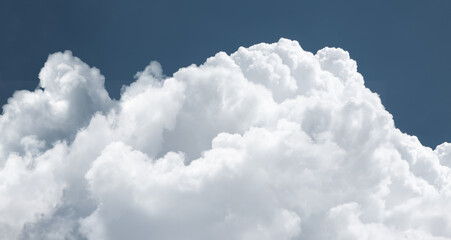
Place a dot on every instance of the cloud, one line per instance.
(269, 142)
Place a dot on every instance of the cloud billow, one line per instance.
(270, 142)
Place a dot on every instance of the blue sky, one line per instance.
(401, 47)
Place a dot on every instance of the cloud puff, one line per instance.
(270, 142)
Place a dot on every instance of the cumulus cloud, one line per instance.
(269, 142)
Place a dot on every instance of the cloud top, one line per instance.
(269, 142)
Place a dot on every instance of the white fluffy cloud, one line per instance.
(270, 142)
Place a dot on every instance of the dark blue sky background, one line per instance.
(403, 48)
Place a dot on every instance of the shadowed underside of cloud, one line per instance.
(270, 142)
